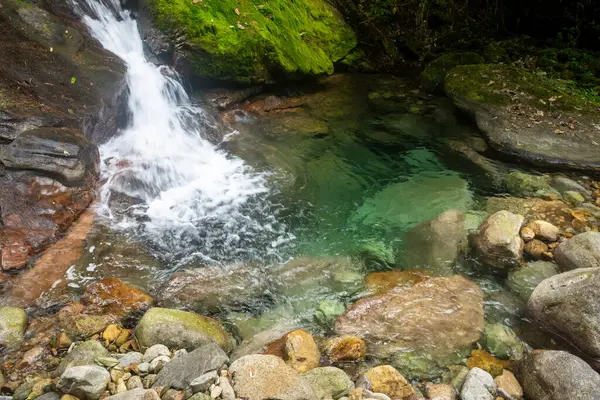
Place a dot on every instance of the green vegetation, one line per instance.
(256, 41)
(507, 84)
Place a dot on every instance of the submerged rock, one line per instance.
(435, 245)
(258, 377)
(558, 375)
(379, 283)
(270, 32)
(581, 251)
(502, 342)
(345, 348)
(13, 322)
(442, 317)
(566, 305)
(522, 281)
(497, 242)
(179, 329)
(113, 296)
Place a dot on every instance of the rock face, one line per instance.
(181, 371)
(113, 296)
(566, 305)
(581, 251)
(558, 375)
(13, 322)
(258, 377)
(263, 45)
(179, 329)
(50, 167)
(497, 242)
(440, 315)
(56, 152)
(87, 382)
(439, 243)
(524, 280)
(487, 93)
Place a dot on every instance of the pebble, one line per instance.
(508, 386)
(227, 392)
(479, 385)
(121, 387)
(156, 351)
(215, 392)
(130, 358)
(158, 363)
(144, 368)
(440, 392)
(375, 396)
(527, 234)
(149, 380)
(135, 382)
(203, 382)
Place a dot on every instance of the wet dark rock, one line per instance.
(558, 375)
(581, 251)
(566, 305)
(181, 371)
(59, 153)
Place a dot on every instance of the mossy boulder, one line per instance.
(253, 42)
(13, 322)
(180, 330)
(434, 76)
(547, 122)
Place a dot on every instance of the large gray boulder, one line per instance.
(258, 377)
(13, 322)
(181, 371)
(497, 242)
(581, 251)
(558, 375)
(567, 305)
(87, 382)
(439, 242)
(180, 330)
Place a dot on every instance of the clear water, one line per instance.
(345, 169)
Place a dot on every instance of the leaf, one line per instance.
(237, 11)
(73, 80)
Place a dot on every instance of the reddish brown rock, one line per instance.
(385, 379)
(445, 314)
(14, 250)
(536, 248)
(345, 348)
(113, 296)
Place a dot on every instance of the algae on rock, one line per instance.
(251, 42)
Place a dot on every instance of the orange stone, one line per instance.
(382, 282)
(298, 349)
(386, 379)
(484, 360)
(345, 348)
(113, 296)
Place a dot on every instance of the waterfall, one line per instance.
(196, 200)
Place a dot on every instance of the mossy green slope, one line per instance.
(256, 40)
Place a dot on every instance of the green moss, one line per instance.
(434, 75)
(505, 85)
(257, 41)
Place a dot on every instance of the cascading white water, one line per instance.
(196, 198)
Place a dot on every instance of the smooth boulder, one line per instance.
(436, 244)
(497, 242)
(86, 382)
(550, 374)
(581, 251)
(258, 377)
(567, 306)
(180, 330)
(439, 315)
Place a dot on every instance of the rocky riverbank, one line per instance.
(411, 334)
